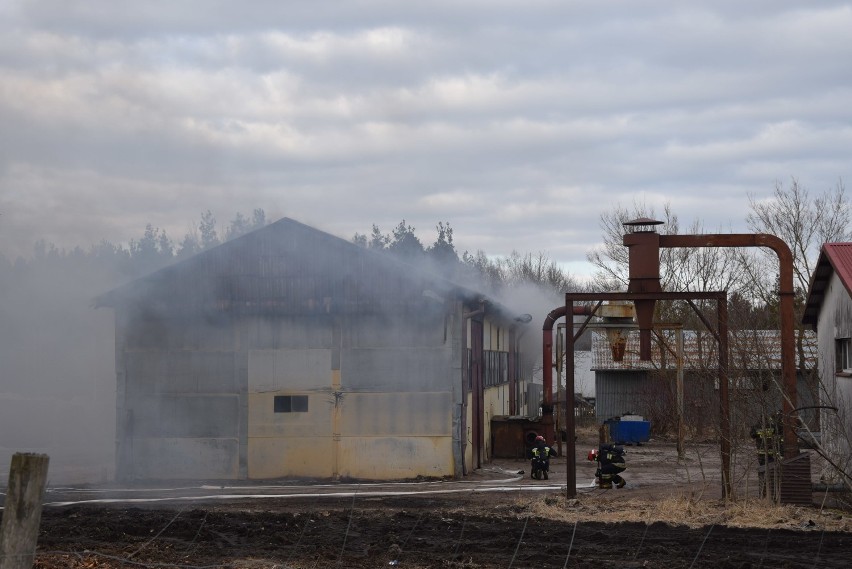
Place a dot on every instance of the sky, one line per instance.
(518, 122)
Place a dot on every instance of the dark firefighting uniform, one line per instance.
(611, 463)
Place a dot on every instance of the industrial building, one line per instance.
(289, 352)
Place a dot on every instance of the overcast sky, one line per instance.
(518, 122)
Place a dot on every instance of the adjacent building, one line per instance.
(648, 388)
(829, 311)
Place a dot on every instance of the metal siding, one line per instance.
(396, 414)
(185, 458)
(299, 370)
(264, 422)
(197, 415)
(291, 457)
(835, 321)
(796, 482)
(618, 393)
(394, 458)
(397, 369)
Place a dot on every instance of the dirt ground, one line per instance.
(669, 516)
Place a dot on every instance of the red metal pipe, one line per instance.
(786, 292)
(547, 365)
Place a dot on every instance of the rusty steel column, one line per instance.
(570, 444)
(547, 363)
(786, 293)
(511, 371)
(724, 404)
(547, 372)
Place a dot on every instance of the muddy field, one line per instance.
(669, 516)
(413, 532)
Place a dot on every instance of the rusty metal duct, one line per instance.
(547, 364)
(643, 245)
(618, 320)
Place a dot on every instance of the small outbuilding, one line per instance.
(289, 352)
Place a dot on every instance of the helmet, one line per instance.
(539, 438)
(593, 454)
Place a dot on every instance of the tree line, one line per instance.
(804, 221)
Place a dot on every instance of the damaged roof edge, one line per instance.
(442, 285)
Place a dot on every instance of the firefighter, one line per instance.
(541, 454)
(767, 438)
(611, 464)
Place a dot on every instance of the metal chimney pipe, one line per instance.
(643, 247)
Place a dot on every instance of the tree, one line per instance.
(240, 224)
(207, 228)
(804, 223)
(152, 251)
(442, 252)
(405, 244)
(681, 269)
(189, 246)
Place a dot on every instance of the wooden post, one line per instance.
(22, 510)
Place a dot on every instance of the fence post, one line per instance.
(22, 510)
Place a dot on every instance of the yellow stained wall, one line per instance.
(369, 435)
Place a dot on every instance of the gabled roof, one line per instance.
(833, 258)
(288, 266)
(277, 266)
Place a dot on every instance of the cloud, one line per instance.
(519, 123)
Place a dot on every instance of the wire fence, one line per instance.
(432, 539)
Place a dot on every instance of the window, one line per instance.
(291, 403)
(842, 355)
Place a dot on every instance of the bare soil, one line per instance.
(669, 516)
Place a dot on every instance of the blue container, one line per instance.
(629, 432)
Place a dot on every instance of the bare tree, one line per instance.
(803, 222)
(681, 269)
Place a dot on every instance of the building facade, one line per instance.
(289, 352)
(829, 311)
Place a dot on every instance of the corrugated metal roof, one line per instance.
(290, 267)
(747, 350)
(833, 258)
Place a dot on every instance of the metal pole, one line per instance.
(570, 450)
(681, 451)
(724, 404)
(560, 400)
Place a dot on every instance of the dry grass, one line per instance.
(689, 511)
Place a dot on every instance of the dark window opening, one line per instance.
(291, 403)
(842, 355)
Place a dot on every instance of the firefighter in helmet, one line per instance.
(611, 464)
(541, 454)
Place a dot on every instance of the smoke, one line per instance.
(57, 394)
